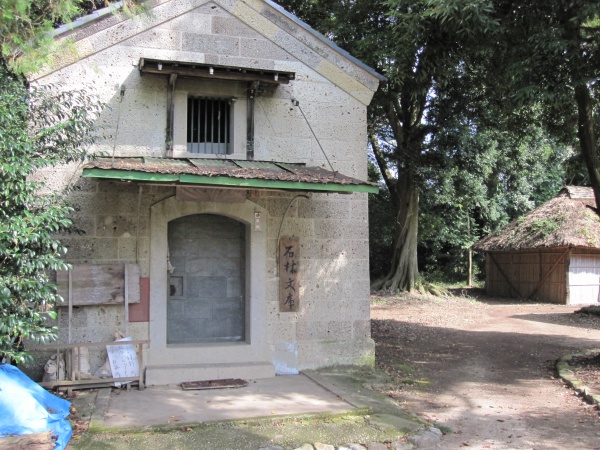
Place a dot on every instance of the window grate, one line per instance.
(208, 128)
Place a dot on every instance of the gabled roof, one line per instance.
(580, 193)
(567, 220)
(104, 29)
(225, 173)
(323, 39)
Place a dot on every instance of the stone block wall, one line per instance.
(332, 325)
(235, 33)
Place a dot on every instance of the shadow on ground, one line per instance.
(489, 374)
(578, 320)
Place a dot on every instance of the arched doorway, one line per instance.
(205, 299)
(241, 352)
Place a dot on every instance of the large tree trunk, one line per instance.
(404, 271)
(587, 137)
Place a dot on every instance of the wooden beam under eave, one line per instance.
(170, 115)
(214, 72)
(252, 93)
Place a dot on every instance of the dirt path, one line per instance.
(485, 370)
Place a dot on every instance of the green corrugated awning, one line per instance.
(226, 173)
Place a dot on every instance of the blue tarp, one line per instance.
(26, 407)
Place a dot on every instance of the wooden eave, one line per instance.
(213, 71)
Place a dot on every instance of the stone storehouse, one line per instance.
(551, 254)
(225, 216)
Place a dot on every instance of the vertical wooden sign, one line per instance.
(289, 274)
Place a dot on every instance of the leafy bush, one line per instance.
(39, 127)
(593, 310)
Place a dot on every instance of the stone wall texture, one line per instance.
(113, 218)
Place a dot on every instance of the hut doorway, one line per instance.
(584, 279)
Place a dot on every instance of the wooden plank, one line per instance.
(70, 301)
(170, 114)
(585, 251)
(99, 284)
(133, 282)
(90, 382)
(35, 441)
(529, 258)
(86, 344)
(289, 274)
(123, 360)
(512, 287)
(98, 382)
(126, 299)
(550, 258)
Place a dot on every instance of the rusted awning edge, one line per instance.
(224, 181)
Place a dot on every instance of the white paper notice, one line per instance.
(123, 360)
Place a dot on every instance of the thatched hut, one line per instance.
(551, 254)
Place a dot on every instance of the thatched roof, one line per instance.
(567, 220)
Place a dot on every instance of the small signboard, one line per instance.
(289, 274)
(123, 360)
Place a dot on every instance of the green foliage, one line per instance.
(586, 232)
(545, 226)
(39, 128)
(481, 181)
(549, 55)
(458, 116)
(381, 226)
(26, 43)
(547, 49)
(24, 25)
(592, 310)
(420, 46)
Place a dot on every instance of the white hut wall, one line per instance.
(583, 271)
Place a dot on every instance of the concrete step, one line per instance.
(159, 375)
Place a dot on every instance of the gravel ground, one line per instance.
(484, 369)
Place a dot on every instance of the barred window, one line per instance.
(208, 127)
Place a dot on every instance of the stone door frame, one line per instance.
(255, 348)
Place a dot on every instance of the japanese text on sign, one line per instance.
(123, 360)
(289, 274)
